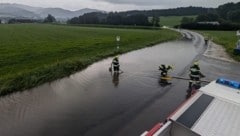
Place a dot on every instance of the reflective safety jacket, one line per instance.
(115, 63)
(195, 71)
(164, 69)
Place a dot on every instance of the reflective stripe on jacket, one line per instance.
(195, 71)
(115, 63)
(164, 68)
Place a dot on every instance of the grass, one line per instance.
(227, 39)
(32, 54)
(172, 21)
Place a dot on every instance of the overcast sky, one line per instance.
(119, 5)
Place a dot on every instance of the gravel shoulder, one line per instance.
(217, 52)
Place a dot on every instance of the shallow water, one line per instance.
(96, 102)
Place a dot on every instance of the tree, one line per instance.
(224, 9)
(187, 20)
(49, 19)
(137, 19)
(89, 18)
(212, 17)
(74, 20)
(234, 16)
(207, 17)
(114, 19)
(155, 21)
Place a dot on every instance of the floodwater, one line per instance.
(94, 102)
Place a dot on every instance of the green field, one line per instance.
(226, 38)
(32, 54)
(172, 21)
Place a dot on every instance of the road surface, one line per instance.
(94, 102)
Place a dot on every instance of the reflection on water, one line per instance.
(115, 78)
(86, 103)
(164, 82)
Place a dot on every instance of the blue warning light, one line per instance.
(229, 83)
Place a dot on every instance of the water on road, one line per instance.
(95, 102)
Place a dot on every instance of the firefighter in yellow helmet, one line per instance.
(164, 73)
(115, 64)
(195, 74)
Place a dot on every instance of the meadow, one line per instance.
(172, 21)
(227, 39)
(33, 54)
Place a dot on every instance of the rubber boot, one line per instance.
(190, 85)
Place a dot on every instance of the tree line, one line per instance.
(135, 17)
(114, 18)
(182, 11)
(228, 16)
(48, 19)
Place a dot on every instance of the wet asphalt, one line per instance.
(95, 102)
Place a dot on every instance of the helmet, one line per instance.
(196, 63)
(116, 57)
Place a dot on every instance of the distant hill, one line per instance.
(24, 11)
(62, 13)
(25, 7)
(56, 12)
(13, 11)
(86, 10)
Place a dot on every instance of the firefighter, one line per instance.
(206, 40)
(195, 75)
(115, 64)
(164, 73)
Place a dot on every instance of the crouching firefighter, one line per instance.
(195, 76)
(164, 73)
(115, 64)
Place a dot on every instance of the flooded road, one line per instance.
(94, 102)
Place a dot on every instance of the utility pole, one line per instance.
(238, 42)
(118, 38)
(237, 49)
(238, 34)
